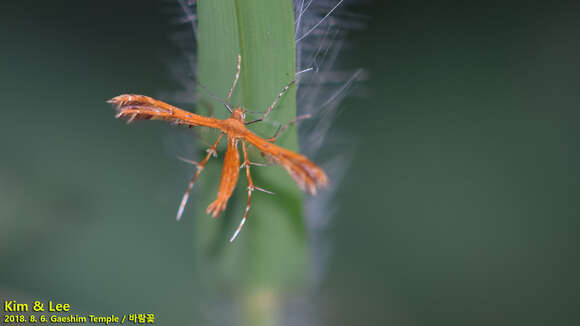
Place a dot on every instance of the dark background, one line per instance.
(460, 207)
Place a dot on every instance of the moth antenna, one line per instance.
(215, 97)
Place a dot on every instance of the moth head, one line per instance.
(239, 114)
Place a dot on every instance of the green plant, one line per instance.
(270, 254)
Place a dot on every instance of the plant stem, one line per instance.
(270, 254)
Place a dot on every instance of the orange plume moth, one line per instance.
(308, 176)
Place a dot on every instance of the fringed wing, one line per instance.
(307, 175)
(141, 107)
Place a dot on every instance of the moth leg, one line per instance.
(211, 151)
(283, 128)
(251, 188)
(235, 79)
(284, 90)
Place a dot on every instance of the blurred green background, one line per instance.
(460, 207)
